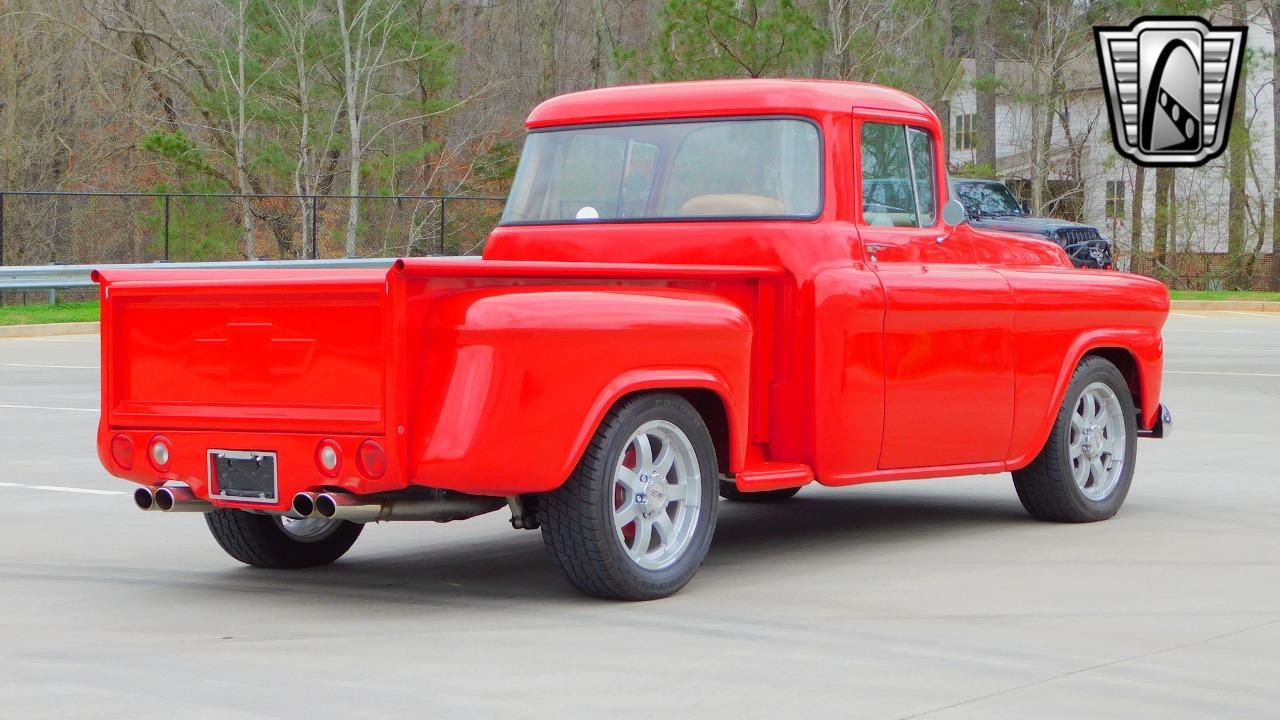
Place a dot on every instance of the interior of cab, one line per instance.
(898, 176)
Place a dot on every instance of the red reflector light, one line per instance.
(329, 457)
(122, 451)
(371, 460)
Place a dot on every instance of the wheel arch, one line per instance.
(1126, 363)
(709, 394)
(1136, 353)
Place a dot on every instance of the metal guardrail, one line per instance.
(66, 277)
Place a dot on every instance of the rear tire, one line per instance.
(729, 491)
(1084, 471)
(262, 540)
(635, 519)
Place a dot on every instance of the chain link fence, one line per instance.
(43, 228)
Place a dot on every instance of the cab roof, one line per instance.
(711, 98)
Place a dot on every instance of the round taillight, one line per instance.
(122, 451)
(159, 453)
(329, 457)
(371, 459)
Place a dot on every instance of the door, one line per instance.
(948, 328)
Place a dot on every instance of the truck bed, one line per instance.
(278, 360)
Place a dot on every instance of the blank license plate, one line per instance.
(242, 475)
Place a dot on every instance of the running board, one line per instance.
(763, 476)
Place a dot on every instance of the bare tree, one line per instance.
(311, 120)
(1163, 222)
(1272, 8)
(1137, 264)
(985, 85)
(234, 75)
(1237, 151)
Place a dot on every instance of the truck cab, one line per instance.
(697, 290)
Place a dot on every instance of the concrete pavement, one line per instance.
(937, 599)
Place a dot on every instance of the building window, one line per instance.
(1115, 199)
(962, 132)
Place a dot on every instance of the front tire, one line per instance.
(1084, 471)
(635, 519)
(272, 541)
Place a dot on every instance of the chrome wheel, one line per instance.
(1097, 441)
(307, 529)
(657, 489)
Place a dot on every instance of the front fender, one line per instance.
(513, 382)
(1144, 345)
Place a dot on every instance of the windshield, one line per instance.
(988, 198)
(765, 167)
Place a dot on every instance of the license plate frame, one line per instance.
(257, 493)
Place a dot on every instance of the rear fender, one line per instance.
(513, 382)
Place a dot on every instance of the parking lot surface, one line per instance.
(931, 598)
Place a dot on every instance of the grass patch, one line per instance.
(42, 314)
(1224, 295)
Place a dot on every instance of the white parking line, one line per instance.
(1214, 372)
(86, 338)
(58, 367)
(1270, 316)
(1194, 331)
(1198, 317)
(47, 407)
(59, 488)
(1223, 348)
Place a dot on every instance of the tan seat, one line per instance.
(731, 204)
(889, 219)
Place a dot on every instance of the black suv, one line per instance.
(991, 205)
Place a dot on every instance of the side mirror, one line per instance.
(953, 212)
(1026, 209)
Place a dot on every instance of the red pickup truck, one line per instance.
(691, 296)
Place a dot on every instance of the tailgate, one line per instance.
(245, 350)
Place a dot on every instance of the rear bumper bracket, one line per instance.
(1163, 425)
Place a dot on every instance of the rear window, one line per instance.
(765, 167)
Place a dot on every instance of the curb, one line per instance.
(1239, 305)
(70, 328)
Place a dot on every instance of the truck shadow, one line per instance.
(751, 542)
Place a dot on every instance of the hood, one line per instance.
(1024, 224)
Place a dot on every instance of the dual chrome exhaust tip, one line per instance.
(331, 506)
(170, 498)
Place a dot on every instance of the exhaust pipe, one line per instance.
(180, 499)
(304, 505)
(145, 498)
(341, 506)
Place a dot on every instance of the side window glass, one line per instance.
(637, 179)
(745, 168)
(591, 175)
(887, 196)
(922, 165)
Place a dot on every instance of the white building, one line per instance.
(1104, 195)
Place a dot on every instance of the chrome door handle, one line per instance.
(875, 247)
(941, 239)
